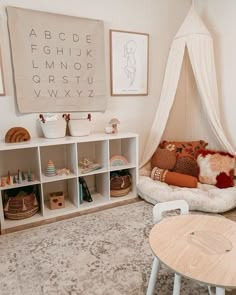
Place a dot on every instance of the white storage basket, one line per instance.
(54, 129)
(79, 127)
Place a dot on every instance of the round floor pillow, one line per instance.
(164, 159)
(186, 165)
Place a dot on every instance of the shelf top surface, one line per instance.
(41, 141)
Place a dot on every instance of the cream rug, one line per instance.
(104, 253)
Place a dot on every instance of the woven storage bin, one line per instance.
(120, 192)
(120, 185)
(21, 206)
(54, 129)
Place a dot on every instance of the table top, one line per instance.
(200, 247)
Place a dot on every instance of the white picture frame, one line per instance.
(129, 63)
(2, 86)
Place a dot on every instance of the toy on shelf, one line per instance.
(64, 172)
(118, 161)
(114, 122)
(20, 180)
(87, 166)
(3, 183)
(29, 176)
(17, 134)
(51, 170)
(57, 200)
(8, 181)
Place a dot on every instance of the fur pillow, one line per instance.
(163, 159)
(216, 168)
(186, 165)
(184, 148)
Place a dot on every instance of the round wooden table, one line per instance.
(199, 247)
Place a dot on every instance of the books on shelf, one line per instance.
(84, 193)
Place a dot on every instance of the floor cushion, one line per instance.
(206, 198)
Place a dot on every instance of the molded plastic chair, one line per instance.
(158, 210)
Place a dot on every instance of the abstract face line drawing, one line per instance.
(129, 54)
(129, 60)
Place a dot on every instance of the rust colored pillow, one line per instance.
(184, 148)
(174, 178)
(186, 165)
(216, 168)
(163, 159)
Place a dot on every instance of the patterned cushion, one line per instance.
(186, 165)
(216, 168)
(163, 159)
(173, 178)
(184, 148)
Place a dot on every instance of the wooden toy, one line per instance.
(50, 170)
(3, 183)
(57, 200)
(17, 134)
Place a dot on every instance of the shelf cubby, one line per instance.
(124, 147)
(62, 156)
(69, 187)
(96, 152)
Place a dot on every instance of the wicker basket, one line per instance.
(120, 192)
(21, 206)
(120, 185)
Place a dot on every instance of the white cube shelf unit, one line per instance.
(67, 152)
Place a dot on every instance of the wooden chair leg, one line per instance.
(177, 284)
(153, 277)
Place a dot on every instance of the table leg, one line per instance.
(153, 278)
(220, 291)
(177, 285)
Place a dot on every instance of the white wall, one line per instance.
(219, 17)
(159, 18)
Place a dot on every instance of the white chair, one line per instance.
(157, 216)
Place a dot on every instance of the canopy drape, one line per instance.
(194, 37)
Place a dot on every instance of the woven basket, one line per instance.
(21, 206)
(120, 185)
(120, 192)
(120, 182)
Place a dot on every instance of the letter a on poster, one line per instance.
(58, 61)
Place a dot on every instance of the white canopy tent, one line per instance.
(193, 36)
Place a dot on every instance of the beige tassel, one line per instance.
(35, 201)
(6, 208)
(23, 207)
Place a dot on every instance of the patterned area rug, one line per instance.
(104, 253)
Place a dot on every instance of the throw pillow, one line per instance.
(216, 168)
(163, 159)
(186, 165)
(184, 148)
(174, 178)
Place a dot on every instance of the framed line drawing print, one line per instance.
(2, 86)
(129, 63)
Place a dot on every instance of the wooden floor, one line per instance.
(230, 215)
